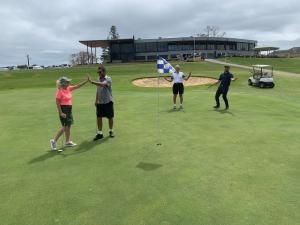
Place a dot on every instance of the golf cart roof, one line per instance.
(261, 66)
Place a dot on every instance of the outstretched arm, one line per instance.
(80, 84)
(98, 83)
(169, 80)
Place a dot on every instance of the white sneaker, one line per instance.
(70, 144)
(174, 107)
(181, 107)
(53, 145)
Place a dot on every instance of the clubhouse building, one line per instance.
(127, 50)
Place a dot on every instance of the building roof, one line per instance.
(105, 43)
(265, 48)
(196, 39)
(95, 43)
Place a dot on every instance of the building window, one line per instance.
(200, 47)
(115, 48)
(220, 47)
(242, 47)
(151, 47)
(162, 46)
(230, 47)
(210, 47)
(140, 47)
(126, 48)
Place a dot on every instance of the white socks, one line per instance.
(101, 132)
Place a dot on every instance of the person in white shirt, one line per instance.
(178, 88)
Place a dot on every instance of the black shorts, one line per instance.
(68, 121)
(105, 110)
(178, 88)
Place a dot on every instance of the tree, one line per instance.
(113, 33)
(212, 31)
(81, 58)
(105, 57)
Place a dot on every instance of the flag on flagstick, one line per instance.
(163, 66)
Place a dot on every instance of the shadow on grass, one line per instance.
(87, 146)
(223, 111)
(148, 166)
(81, 148)
(41, 158)
(174, 110)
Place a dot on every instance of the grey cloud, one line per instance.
(49, 30)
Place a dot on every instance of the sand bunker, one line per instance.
(152, 82)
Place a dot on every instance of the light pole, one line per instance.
(28, 61)
(194, 47)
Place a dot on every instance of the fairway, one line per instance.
(236, 167)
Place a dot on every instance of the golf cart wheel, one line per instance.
(250, 82)
(261, 85)
(272, 85)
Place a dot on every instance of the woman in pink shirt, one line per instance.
(64, 107)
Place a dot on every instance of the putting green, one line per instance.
(236, 167)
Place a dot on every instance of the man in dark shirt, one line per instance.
(224, 80)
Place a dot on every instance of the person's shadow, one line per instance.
(81, 148)
(223, 111)
(87, 146)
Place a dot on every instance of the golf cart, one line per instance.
(262, 76)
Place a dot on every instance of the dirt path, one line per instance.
(276, 72)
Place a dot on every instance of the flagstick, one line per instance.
(158, 125)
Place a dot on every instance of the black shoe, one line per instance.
(217, 106)
(111, 134)
(227, 107)
(98, 137)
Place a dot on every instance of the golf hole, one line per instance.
(153, 81)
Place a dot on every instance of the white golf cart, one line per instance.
(262, 76)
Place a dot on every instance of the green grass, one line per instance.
(213, 168)
(284, 64)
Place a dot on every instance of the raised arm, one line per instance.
(188, 77)
(98, 83)
(80, 84)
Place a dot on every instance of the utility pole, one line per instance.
(28, 60)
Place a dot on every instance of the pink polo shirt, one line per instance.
(64, 96)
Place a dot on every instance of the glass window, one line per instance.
(162, 46)
(140, 47)
(151, 47)
(220, 47)
(115, 48)
(200, 47)
(126, 48)
(210, 47)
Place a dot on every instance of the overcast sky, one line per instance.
(49, 30)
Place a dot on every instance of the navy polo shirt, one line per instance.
(225, 79)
